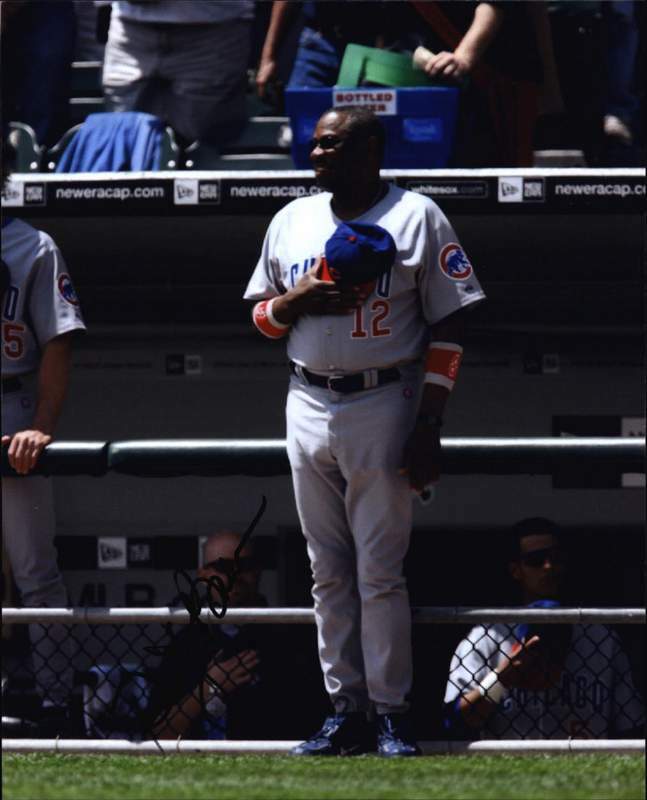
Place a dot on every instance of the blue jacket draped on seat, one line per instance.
(114, 142)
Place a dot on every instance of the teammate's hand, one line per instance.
(447, 65)
(235, 672)
(421, 460)
(311, 295)
(24, 449)
(517, 667)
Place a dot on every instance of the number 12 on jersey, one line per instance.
(372, 323)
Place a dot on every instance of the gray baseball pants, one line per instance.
(28, 529)
(355, 512)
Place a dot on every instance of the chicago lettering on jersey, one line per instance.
(574, 691)
(303, 267)
(11, 303)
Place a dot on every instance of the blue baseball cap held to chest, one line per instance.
(358, 253)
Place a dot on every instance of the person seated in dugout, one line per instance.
(541, 681)
(218, 681)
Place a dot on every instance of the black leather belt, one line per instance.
(10, 385)
(345, 384)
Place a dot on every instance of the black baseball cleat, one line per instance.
(395, 737)
(347, 734)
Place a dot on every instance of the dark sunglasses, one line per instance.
(229, 565)
(328, 142)
(537, 558)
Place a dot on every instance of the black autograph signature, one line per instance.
(215, 586)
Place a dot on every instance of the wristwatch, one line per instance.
(433, 420)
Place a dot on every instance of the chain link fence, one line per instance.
(79, 676)
(540, 681)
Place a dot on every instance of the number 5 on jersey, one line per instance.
(12, 341)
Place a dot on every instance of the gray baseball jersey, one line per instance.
(595, 698)
(40, 303)
(430, 279)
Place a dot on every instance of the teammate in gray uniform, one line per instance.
(372, 370)
(506, 682)
(40, 315)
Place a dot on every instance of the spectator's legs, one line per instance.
(37, 54)
(622, 38)
(191, 76)
(130, 66)
(579, 54)
(205, 69)
(316, 63)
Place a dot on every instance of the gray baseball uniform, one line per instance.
(595, 698)
(39, 305)
(345, 449)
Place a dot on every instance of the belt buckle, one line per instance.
(332, 378)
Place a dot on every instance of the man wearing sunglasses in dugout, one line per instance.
(541, 681)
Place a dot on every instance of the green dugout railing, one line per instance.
(268, 457)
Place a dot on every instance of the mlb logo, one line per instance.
(193, 365)
(140, 553)
(185, 192)
(34, 194)
(209, 191)
(533, 189)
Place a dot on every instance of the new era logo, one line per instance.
(111, 552)
(510, 190)
(185, 192)
(13, 193)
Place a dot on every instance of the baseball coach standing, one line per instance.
(369, 284)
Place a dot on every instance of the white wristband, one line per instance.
(491, 687)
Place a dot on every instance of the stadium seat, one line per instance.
(260, 135)
(86, 79)
(53, 155)
(86, 91)
(170, 155)
(28, 154)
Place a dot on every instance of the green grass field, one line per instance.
(185, 777)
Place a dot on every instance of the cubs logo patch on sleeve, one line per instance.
(454, 263)
(67, 290)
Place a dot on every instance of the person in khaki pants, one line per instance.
(185, 61)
